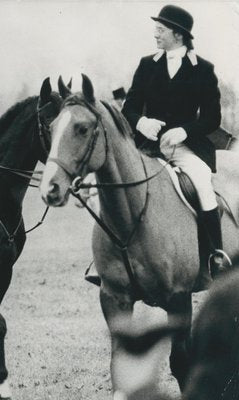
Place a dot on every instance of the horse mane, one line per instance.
(7, 118)
(16, 132)
(119, 120)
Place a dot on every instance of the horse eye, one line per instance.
(80, 129)
(83, 130)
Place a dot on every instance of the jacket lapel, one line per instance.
(186, 70)
(159, 77)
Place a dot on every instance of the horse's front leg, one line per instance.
(4, 386)
(9, 253)
(181, 310)
(7, 256)
(117, 309)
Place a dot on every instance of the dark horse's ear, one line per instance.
(45, 91)
(69, 83)
(63, 89)
(87, 89)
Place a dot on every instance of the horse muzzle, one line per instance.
(52, 195)
(54, 187)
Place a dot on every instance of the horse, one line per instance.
(145, 243)
(214, 371)
(214, 368)
(23, 141)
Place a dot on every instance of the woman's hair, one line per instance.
(187, 41)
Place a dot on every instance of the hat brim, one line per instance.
(159, 19)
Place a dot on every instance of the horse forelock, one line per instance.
(80, 100)
(74, 99)
(57, 99)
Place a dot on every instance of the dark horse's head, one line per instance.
(24, 124)
(24, 140)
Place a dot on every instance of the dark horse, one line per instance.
(152, 251)
(22, 131)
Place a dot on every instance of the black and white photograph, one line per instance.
(119, 200)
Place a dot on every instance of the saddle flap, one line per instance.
(187, 192)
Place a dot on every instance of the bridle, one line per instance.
(78, 184)
(43, 129)
(44, 135)
(85, 159)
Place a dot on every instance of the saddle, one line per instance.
(187, 192)
(190, 194)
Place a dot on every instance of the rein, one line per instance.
(123, 246)
(23, 173)
(11, 236)
(75, 187)
(77, 184)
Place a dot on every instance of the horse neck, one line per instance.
(19, 185)
(121, 207)
(21, 151)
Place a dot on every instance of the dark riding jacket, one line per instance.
(191, 100)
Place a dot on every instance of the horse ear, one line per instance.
(63, 89)
(69, 83)
(87, 89)
(45, 91)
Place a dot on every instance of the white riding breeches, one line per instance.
(198, 171)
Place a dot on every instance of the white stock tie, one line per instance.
(174, 62)
(174, 59)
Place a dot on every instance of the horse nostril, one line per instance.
(53, 188)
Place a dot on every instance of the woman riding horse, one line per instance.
(172, 105)
(145, 243)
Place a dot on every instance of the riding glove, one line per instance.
(173, 137)
(150, 127)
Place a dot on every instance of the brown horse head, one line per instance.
(78, 142)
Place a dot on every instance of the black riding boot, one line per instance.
(219, 262)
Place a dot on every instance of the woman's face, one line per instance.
(165, 37)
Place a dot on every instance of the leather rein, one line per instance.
(78, 184)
